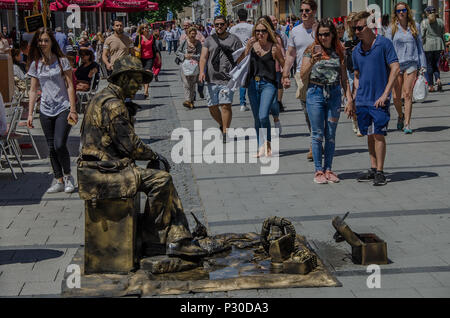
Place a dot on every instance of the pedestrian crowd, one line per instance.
(346, 65)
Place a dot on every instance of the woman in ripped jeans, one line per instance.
(323, 64)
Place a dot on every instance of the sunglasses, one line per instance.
(359, 28)
(261, 31)
(326, 34)
(305, 10)
(218, 25)
(404, 10)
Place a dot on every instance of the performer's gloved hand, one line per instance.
(156, 163)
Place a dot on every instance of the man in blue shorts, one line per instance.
(376, 67)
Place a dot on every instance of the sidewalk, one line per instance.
(39, 233)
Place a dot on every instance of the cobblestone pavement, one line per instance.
(40, 233)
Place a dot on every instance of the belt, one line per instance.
(257, 78)
(321, 84)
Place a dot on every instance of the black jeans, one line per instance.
(56, 130)
(433, 66)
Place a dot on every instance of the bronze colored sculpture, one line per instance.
(106, 168)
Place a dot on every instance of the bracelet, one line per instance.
(73, 112)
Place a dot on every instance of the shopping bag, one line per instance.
(190, 67)
(420, 90)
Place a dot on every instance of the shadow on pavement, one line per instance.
(292, 152)
(344, 152)
(392, 177)
(28, 189)
(295, 135)
(432, 128)
(27, 255)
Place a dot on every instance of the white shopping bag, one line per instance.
(420, 90)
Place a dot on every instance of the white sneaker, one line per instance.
(278, 125)
(244, 108)
(56, 187)
(68, 184)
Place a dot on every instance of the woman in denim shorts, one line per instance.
(404, 34)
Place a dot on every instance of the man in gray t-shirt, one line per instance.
(243, 31)
(217, 74)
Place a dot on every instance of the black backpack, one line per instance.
(215, 61)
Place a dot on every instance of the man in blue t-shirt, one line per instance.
(376, 68)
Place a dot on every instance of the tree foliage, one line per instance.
(164, 5)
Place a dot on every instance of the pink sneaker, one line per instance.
(331, 176)
(319, 178)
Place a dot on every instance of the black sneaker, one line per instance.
(380, 179)
(368, 176)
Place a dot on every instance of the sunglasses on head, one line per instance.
(404, 10)
(359, 28)
(305, 10)
(325, 34)
(219, 24)
(261, 31)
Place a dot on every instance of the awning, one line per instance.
(106, 5)
(21, 5)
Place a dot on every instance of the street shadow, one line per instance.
(149, 106)
(409, 175)
(17, 192)
(431, 129)
(147, 120)
(291, 110)
(27, 255)
(427, 101)
(286, 153)
(295, 135)
(345, 152)
(163, 72)
(157, 86)
(168, 73)
(392, 177)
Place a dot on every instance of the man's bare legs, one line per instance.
(222, 116)
(377, 151)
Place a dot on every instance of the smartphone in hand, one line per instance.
(317, 49)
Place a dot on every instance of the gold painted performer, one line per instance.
(110, 142)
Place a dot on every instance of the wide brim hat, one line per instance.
(129, 64)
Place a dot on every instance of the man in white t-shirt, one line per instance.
(243, 31)
(300, 38)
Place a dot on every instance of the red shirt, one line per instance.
(146, 48)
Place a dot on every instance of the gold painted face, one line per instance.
(130, 83)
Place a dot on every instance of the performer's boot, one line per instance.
(185, 248)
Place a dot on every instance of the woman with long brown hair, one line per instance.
(323, 65)
(51, 70)
(404, 34)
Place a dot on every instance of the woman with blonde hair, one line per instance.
(404, 34)
(146, 50)
(262, 85)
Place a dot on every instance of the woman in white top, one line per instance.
(49, 68)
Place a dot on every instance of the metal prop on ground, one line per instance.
(367, 248)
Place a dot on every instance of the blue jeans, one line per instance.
(242, 92)
(323, 105)
(261, 95)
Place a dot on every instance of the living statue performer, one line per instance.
(110, 144)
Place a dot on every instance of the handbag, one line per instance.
(178, 61)
(100, 180)
(443, 63)
(190, 67)
(138, 52)
(302, 87)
